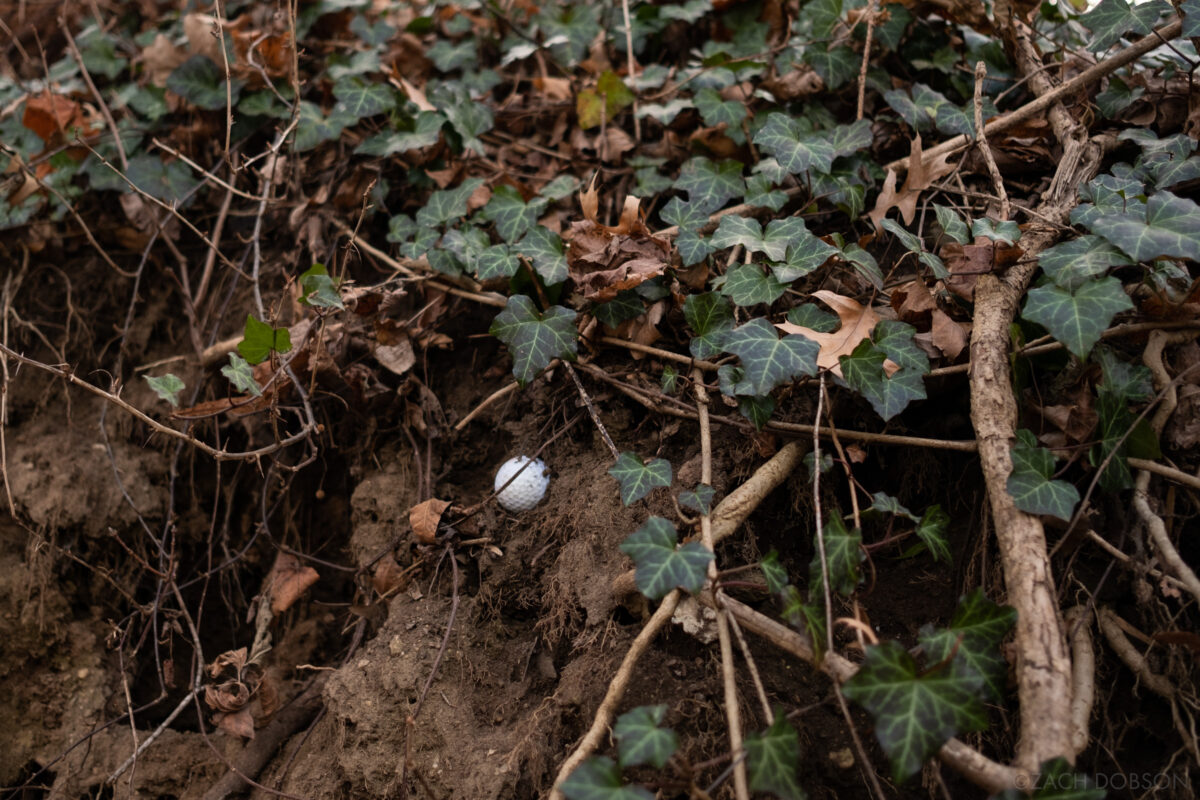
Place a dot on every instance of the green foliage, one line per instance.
(1120, 435)
(843, 555)
(661, 566)
(259, 340)
(1167, 229)
(952, 224)
(710, 185)
(1074, 263)
(1113, 19)
(598, 778)
(931, 530)
(544, 248)
(710, 317)
(239, 372)
(749, 285)
(638, 478)
(767, 360)
(511, 214)
(358, 99)
(640, 740)
(915, 711)
(698, 500)
(771, 758)
(167, 387)
(796, 151)
(1076, 317)
(535, 339)
(202, 83)
(1031, 484)
(318, 289)
(865, 371)
(972, 638)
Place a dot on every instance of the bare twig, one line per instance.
(981, 139)
(591, 409)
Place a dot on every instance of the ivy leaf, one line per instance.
(824, 16)
(757, 409)
(1122, 384)
(773, 572)
(640, 740)
(803, 256)
(810, 315)
(1191, 17)
(846, 140)
(660, 566)
(843, 555)
(761, 192)
(835, 66)
(1117, 97)
(512, 215)
(535, 339)
(915, 713)
(931, 530)
(952, 224)
(1004, 231)
(259, 339)
(748, 285)
(710, 185)
(974, 636)
(795, 150)
(865, 372)
(715, 110)
(544, 248)
(1077, 318)
(598, 778)
(767, 360)
(448, 56)
(710, 316)
(1113, 19)
(1057, 781)
(779, 235)
(167, 387)
(864, 264)
(497, 261)
(470, 120)
(318, 289)
(626, 305)
(884, 503)
(771, 758)
(698, 500)
(360, 99)
(1169, 229)
(1031, 485)
(638, 478)
(202, 83)
(426, 130)
(447, 205)
(1074, 263)
(917, 117)
(239, 372)
(915, 245)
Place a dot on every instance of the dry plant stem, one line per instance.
(616, 690)
(591, 409)
(977, 768)
(1083, 675)
(866, 59)
(658, 351)
(1036, 107)
(1104, 545)
(1155, 526)
(219, 455)
(1043, 662)
(1162, 470)
(149, 740)
(752, 667)
(1110, 625)
(499, 394)
(631, 68)
(87, 78)
(984, 147)
(731, 512)
(733, 717)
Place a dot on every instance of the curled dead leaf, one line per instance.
(857, 323)
(289, 580)
(425, 518)
(239, 723)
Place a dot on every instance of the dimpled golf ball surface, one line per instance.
(529, 487)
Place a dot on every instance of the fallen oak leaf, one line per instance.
(857, 323)
(920, 177)
(425, 517)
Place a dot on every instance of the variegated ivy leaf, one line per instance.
(447, 205)
(638, 478)
(710, 316)
(640, 740)
(1031, 482)
(359, 98)
(710, 185)
(843, 557)
(748, 285)
(1074, 263)
(535, 339)
(168, 386)
(973, 637)
(864, 370)
(796, 151)
(716, 111)
(748, 232)
(767, 360)
(771, 759)
(1002, 232)
(1168, 229)
(1113, 19)
(952, 224)
(497, 261)
(661, 565)
(545, 249)
(1077, 317)
(511, 214)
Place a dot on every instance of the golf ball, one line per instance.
(528, 489)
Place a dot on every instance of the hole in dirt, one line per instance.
(102, 791)
(621, 616)
(33, 783)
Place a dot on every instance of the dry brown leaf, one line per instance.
(236, 659)
(396, 358)
(948, 335)
(425, 518)
(643, 329)
(857, 323)
(555, 89)
(913, 303)
(921, 175)
(288, 581)
(389, 577)
(238, 723)
(160, 58)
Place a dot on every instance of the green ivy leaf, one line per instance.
(1072, 264)
(846, 140)
(835, 66)
(843, 555)
(318, 289)
(598, 778)
(715, 110)
(497, 261)
(359, 99)
(1113, 19)
(710, 316)
(426, 130)
(771, 758)
(447, 205)
(1057, 781)
(931, 530)
(1121, 385)
(1004, 231)
(710, 185)
(259, 339)
(823, 15)
(1169, 229)
(761, 192)
(748, 285)
(544, 248)
(884, 503)
(974, 636)
(1077, 318)
(626, 305)
(952, 224)
(811, 316)
(559, 188)
(773, 572)
(202, 83)
(1117, 97)
(448, 56)
(512, 215)
(239, 372)
(915, 245)
(795, 150)
(535, 339)
(802, 257)
(640, 740)
(1191, 17)
(915, 713)
(779, 235)
(864, 264)
(767, 360)
(638, 478)
(167, 387)
(864, 369)
(757, 409)
(1031, 484)
(698, 500)
(660, 566)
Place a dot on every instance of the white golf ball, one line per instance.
(528, 489)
